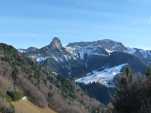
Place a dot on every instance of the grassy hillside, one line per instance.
(25, 106)
(20, 76)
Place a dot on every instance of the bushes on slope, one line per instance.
(133, 95)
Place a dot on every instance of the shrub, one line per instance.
(6, 107)
(34, 94)
(148, 71)
(14, 95)
(67, 88)
(133, 96)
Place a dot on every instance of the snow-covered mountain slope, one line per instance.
(91, 51)
(107, 47)
(106, 44)
(104, 77)
(98, 48)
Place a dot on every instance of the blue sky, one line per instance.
(25, 23)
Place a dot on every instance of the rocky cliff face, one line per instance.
(56, 44)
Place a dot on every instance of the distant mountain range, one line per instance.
(88, 62)
(79, 58)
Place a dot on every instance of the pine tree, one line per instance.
(148, 71)
(14, 76)
(128, 74)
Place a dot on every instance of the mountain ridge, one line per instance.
(78, 51)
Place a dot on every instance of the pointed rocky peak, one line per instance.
(56, 43)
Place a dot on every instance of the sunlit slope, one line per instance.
(25, 106)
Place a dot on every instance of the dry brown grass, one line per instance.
(25, 106)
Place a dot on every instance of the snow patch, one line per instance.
(21, 50)
(40, 59)
(104, 77)
(70, 50)
(109, 51)
(82, 51)
(24, 98)
(55, 58)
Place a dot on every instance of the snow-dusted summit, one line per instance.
(78, 58)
